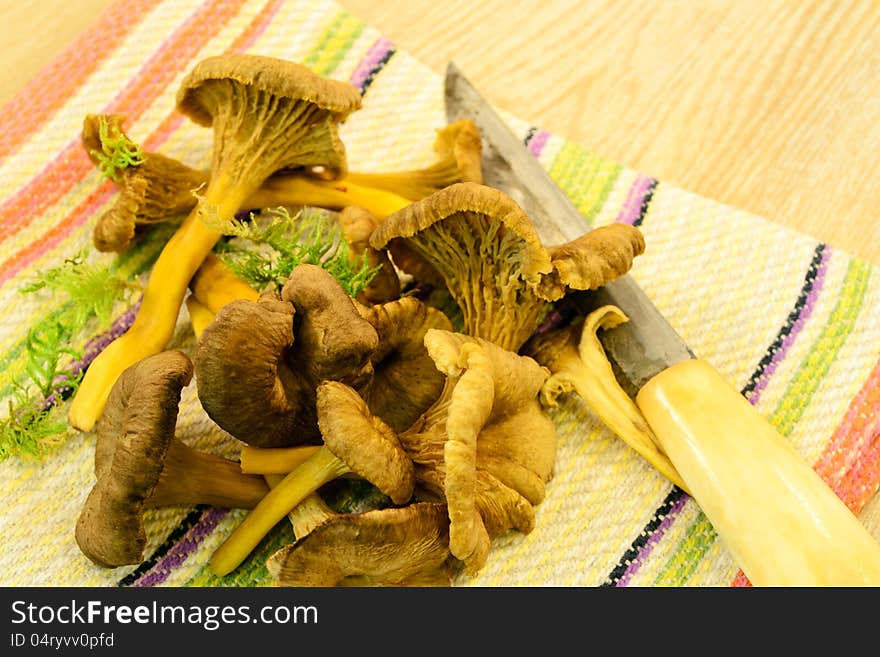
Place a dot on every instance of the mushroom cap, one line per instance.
(479, 207)
(335, 342)
(157, 190)
(91, 133)
(275, 76)
(258, 363)
(593, 259)
(357, 224)
(363, 441)
(405, 380)
(487, 252)
(132, 437)
(487, 445)
(243, 381)
(267, 114)
(404, 546)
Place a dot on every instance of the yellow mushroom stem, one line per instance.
(320, 468)
(199, 315)
(214, 285)
(306, 515)
(274, 460)
(298, 189)
(588, 372)
(161, 302)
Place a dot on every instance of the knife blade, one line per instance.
(638, 349)
(782, 523)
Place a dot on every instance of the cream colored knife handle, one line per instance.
(782, 524)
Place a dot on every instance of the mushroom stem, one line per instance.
(320, 468)
(215, 285)
(295, 190)
(272, 461)
(578, 362)
(306, 515)
(200, 315)
(162, 298)
(192, 477)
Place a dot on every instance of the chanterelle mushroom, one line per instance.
(493, 263)
(486, 447)
(352, 444)
(357, 225)
(258, 364)
(267, 114)
(578, 363)
(459, 149)
(140, 464)
(406, 546)
(156, 189)
(405, 380)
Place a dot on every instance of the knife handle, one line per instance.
(783, 525)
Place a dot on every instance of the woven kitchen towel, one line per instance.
(793, 323)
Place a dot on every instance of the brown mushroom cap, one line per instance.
(482, 209)
(365, 443)
(336, 343)
(405, 380)
(486, 250)
(283, 114)
(258, 364)
(406, 546)
(486, 446)
(593, 259)
(357, 224)
(278, 77)
(244, 382)
(160, 189)
(492, 261)
(133, 435)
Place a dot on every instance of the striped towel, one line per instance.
(793, 323)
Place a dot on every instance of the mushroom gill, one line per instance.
(493, 263)
(403, 546)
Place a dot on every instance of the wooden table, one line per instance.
(772, 106)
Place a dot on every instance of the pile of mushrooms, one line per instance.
(450, 425)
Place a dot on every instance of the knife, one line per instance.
(781, 522)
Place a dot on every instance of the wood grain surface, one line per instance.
(771, 106)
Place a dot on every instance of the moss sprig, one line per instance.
(117, 151)
(268, 247)
(85, 295)
(92, 290)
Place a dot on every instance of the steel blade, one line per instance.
(639, 348)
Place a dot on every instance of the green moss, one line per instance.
(267, 248)
(117, 151)
(84, 295)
